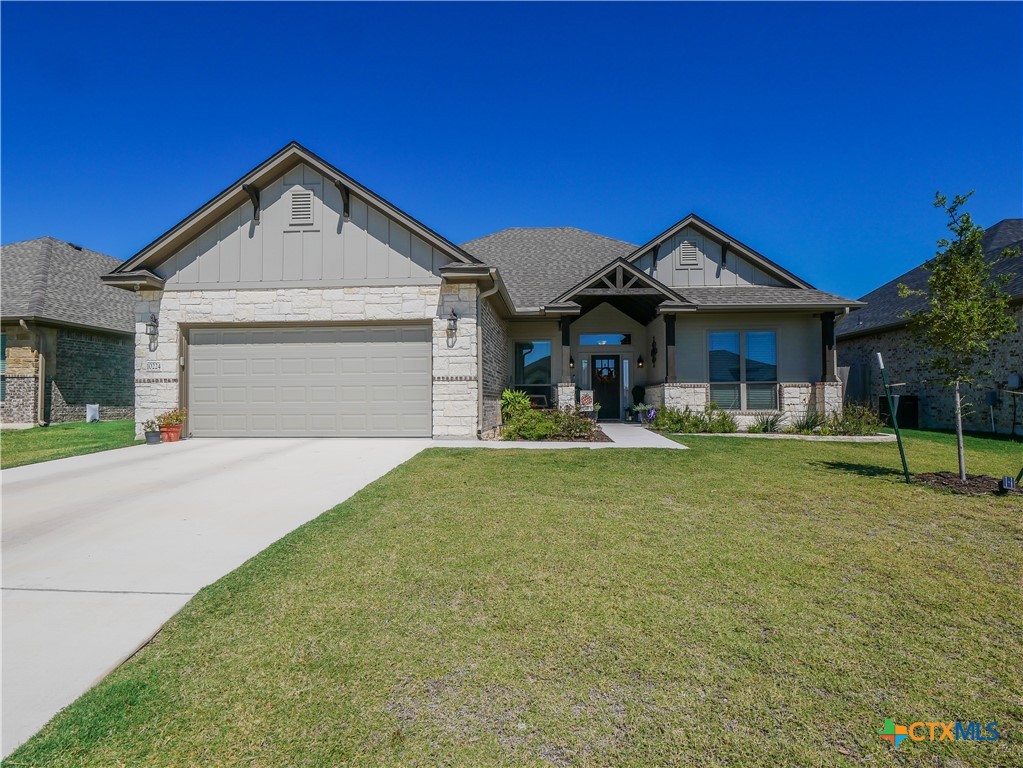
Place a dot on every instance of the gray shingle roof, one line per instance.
(885, 308)
(759, 295)
(52, 280)
(541, 263)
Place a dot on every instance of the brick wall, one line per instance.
(92, 367)
(903, 358)
(496, 375)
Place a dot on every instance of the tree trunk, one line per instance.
(959, 435)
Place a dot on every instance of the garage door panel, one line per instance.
(333, 380)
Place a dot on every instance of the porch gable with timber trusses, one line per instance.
(630, 290)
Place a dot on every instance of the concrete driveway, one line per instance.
(99, 551)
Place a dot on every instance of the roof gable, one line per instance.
(729, 245)
(246, 189)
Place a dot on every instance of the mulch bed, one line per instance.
(974, 485)
(597, 437)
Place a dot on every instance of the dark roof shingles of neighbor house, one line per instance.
(540, 264)
(55, 281)
(885, 308)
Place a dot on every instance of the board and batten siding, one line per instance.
(287, 249)
(689, 259)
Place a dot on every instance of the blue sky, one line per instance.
(817, 134)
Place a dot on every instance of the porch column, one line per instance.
(828, 352)
(669, 342)
(566, 349)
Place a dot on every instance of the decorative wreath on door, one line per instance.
(606, 375)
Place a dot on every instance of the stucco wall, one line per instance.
(904, 360)
(455, 404)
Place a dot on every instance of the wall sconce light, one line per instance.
(639, 363)
(571, 362)
(152, 327)
(653, 353)
(452, 323)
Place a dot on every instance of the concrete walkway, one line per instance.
(622, 436)
(100, 550)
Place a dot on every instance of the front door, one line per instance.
(607, 385)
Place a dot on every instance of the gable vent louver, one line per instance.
(301, 208)
(689, 253)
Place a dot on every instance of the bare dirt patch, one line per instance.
(974, 485)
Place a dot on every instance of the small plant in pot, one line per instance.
(170, 424)
(152, 429)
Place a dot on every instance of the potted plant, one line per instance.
(642, 412)
(152, 429)
(170, 424)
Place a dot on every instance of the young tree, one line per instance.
(967, 308)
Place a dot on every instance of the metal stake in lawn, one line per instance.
(892, 409)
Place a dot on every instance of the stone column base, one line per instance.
(564, 396)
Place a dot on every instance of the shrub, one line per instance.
(808, 423)
(714, 419)
(766, 422)
(514, 401)
(553, 424)
(855, 420)
(529, 424)
(720, 420)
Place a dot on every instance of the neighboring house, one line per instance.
(61, 327)
(298, 302)
(881, 326)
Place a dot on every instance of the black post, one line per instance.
(895, 420)
(669, 341)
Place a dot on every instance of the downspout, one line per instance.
(479, 349)
(41, 385)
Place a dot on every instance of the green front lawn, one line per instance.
(743, 603)
(57, 441)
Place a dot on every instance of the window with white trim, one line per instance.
(743, 369)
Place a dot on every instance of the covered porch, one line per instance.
(627, 339)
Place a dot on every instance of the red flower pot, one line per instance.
(171, 433)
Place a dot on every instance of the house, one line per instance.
(66, 339)
(881, 326)
(298, 302)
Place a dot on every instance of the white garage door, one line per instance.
(332, 381)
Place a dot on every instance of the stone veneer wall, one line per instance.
(455, 403)
(92, 367)
(496, 375)
(903, 358)
(794, 399)
(19, 405)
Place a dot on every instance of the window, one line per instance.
(744, 369)
(301, 208)
(533, 370)
(604, 339)
(3, 366)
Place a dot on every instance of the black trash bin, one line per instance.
(908, 411)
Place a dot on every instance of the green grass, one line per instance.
(742, 603)
(57, 441)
